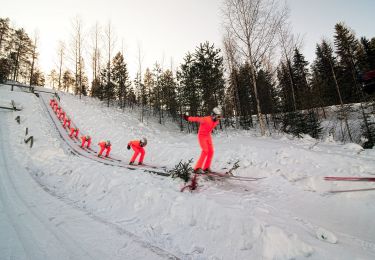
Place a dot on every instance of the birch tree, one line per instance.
(253, 24)
(61, 54)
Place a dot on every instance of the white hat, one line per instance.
(217, 111)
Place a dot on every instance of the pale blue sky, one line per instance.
(168, 29)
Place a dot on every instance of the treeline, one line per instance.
(18, 55)
(261, 77)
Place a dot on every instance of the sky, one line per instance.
(164, 31)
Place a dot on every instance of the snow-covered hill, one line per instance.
(50, 196)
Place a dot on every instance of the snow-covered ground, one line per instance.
(57, 205)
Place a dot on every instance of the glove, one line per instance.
(186, 117)
(128, 147)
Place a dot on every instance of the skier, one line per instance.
(54, 106)
(137, 146)
(52, 102)
(74, 131)
(207, 124)
(62, 115)
(57, 109)
(104, 145)
(86, 138)
(67, 122)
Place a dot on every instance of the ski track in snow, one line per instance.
(50, 227)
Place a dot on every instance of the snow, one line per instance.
(57, 205)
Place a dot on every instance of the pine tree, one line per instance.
(5, 32)
(4, 69)
(347, 49)
(169, 90)
(210, 79)
(285, 86)
(96, 88)
(120, 78)
(247, 104)
(366, 55)
(157, 92)
(108, 87)
(190, 96)
(67, 81)
(300, 76)
(368, 131)
(149, 84)
(324, 67)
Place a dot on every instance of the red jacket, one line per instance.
(135, 143)
(207, 124)
(103, 144)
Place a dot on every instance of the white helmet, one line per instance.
(217, 111)
(143, 141)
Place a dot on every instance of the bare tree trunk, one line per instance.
(259, 111)
(230, 53)
(61, 52)
(288, 43)
(33, 56)
(341, 102)
(111, 43)
(140, 80)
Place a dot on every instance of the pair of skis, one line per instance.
(226, 175)
(355, 179)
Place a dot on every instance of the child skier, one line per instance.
(207, 124)
(74, 131)
(137, 146)
(86, 138)
(67, 122)
(104, 145)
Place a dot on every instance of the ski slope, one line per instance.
(58, 202)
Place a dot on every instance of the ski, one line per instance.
(352, 190)
(150, 166)
(221, 176)
(230, 176)
(368, 179)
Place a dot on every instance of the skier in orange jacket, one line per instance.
(207, 124)
(104, 145)
(137, 146)
(86, 138)
(74, 131)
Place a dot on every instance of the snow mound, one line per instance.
(356, 148)
(277, 244)
(326, 236)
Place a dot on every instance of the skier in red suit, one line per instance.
(52, 102)
(67, 122)
(74, 131)
(207, 124)
(62, 115)
(137, 146)
(104, 145)
(86, 138)
(54, 106)
(57, 109)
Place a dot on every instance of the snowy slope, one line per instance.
(288, 215)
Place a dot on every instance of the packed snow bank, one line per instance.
(275, 218)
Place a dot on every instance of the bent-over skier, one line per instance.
(137, 146)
